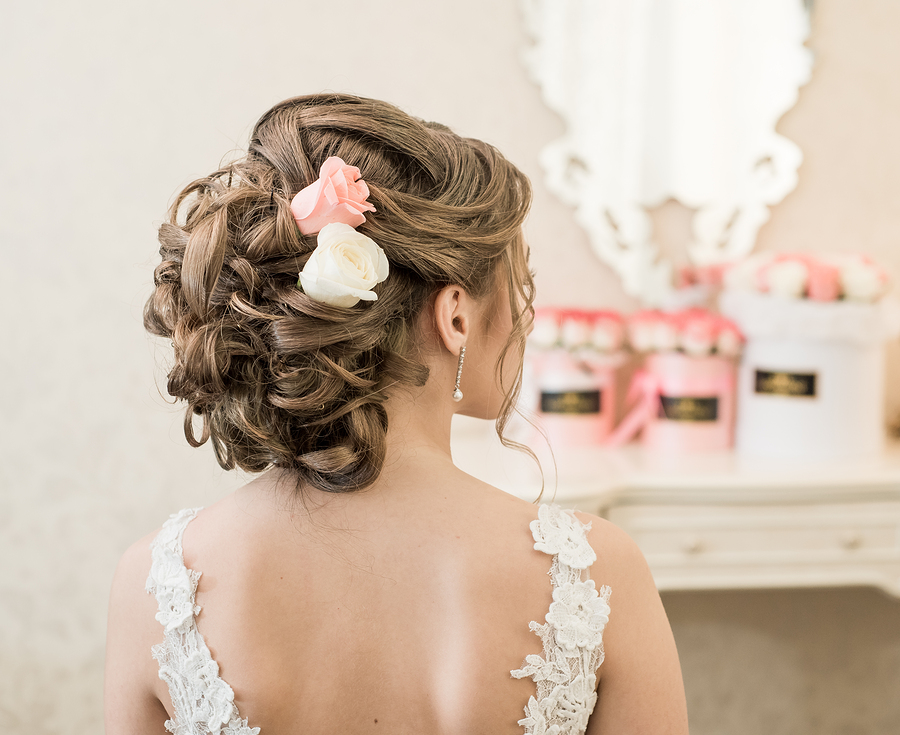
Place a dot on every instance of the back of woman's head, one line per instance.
(279, 379)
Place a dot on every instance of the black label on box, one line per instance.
(785, 384)
(571, 402)
(689, 408)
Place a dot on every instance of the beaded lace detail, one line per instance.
(572, 636)
(203, 703)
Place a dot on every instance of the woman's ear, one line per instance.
(454, 311)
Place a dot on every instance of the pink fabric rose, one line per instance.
(730, 339)
(575, 328)
(339, 195)
(665, 333)
(701, 275)
(545, 332)
(824, 281)
(608, 333)
(642, 329)
(698, 332)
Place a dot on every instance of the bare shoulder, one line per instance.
(641, 689)
(621, 566)
(131, 608)
(132, 570)
(131, 701)
(616, 550)
(480, 492)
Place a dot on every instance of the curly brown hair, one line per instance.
(280, 380)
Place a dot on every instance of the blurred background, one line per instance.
(109, 108)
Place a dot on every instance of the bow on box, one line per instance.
(646, 389)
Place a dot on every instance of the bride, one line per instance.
(334, 298)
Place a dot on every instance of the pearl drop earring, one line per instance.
(457, 393)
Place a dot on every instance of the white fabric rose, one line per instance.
(575, 332)
(642, 332)
(168, 573)
(862, 282)
(175, 587)
(579, 615)
(729, 342)
(741, 277)
(545, 332)
(558, 533)
(607, 335)
(344, 268)
(665, 336)
(788, 278)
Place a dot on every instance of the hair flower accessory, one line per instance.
(344, 268)
(339, 195)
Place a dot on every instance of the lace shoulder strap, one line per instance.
(572, 636)
(203, 702)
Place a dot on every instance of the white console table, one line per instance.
(716, 521)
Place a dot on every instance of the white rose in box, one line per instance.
(743, 276)
(575, 332)
(729, 342)
(642, 335)
(545, 332)
(344, 268)
(665, 335)
(863, 281)
(788, 278)
(607, 335)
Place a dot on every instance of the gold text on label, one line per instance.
(571, 402)
(689, 408)
(781, 383)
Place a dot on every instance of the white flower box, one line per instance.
(811, 379)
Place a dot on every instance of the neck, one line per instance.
(418, 443)
(418, 428)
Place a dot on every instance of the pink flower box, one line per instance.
(682, 404)
(573, 358)
(575, 397)
(696, 399)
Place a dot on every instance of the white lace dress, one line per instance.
(565, 673)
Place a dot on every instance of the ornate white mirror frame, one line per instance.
(669, 99)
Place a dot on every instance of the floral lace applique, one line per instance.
(203, 703)
(561, 534)
(572, 635)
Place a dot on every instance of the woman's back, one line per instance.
(398, 610)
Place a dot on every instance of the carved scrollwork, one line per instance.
(669, 99)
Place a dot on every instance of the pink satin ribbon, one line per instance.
(646, 388)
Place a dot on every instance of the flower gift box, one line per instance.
(811, 380)
(683, 398)
(573, 356)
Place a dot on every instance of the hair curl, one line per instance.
(279, 379)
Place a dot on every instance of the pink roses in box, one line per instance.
(695, 332)
(574, 329)
(820, 277)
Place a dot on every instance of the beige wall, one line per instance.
(846, 122)
(107, 107)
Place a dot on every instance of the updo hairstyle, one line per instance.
(281, 380)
